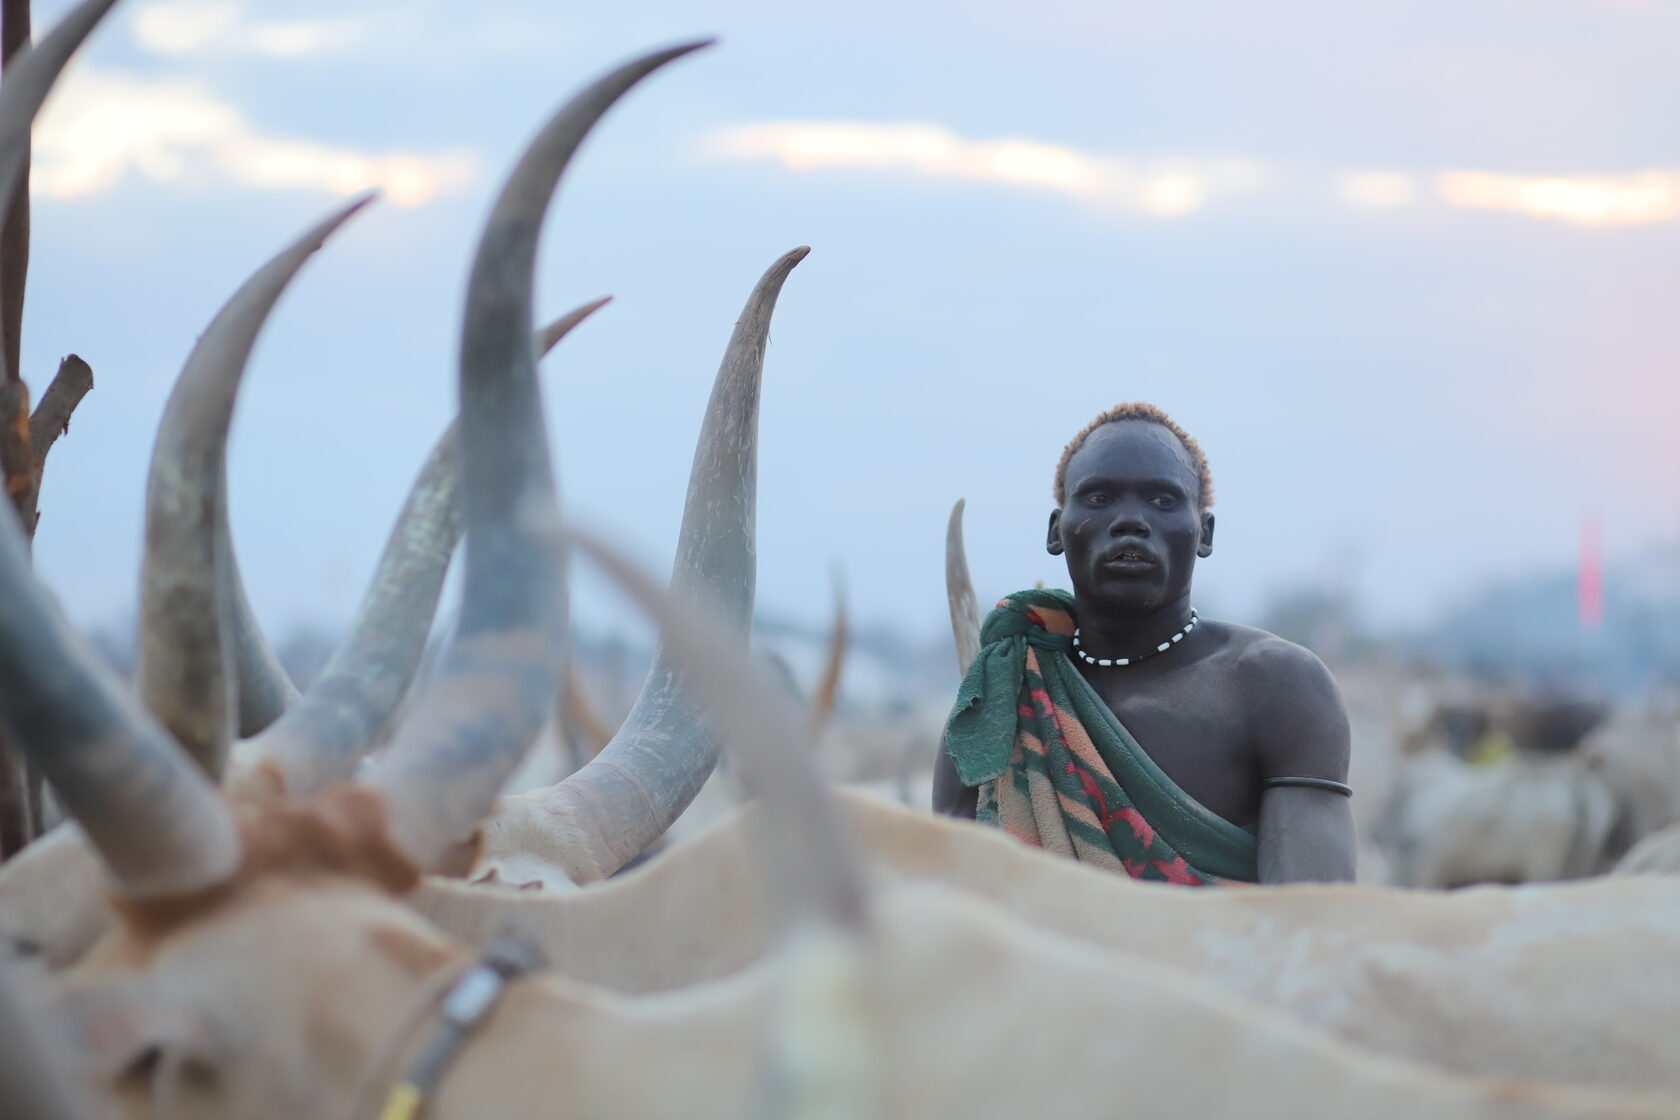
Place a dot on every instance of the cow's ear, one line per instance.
(120, 1029)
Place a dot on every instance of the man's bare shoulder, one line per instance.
(1262, 657)
(1292, 703)
(1268, 661)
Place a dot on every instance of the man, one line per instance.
(1116, 726)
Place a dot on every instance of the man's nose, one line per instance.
(1128, 521)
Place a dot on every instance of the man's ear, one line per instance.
(1205, 548)
(1053, 540)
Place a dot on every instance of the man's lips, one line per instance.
(1128, 558)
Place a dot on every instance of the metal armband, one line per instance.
(1311, 783)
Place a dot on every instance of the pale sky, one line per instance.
(1407, 270)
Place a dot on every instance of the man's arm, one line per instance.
(1306, 836)
(1301, 731)
(950, 796)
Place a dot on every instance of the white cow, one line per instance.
(1536, 819)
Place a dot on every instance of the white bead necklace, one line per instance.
(1106, 662)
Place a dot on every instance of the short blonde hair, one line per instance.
(1139, 410)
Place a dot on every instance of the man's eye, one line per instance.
(1096, 498)
(1162, 501)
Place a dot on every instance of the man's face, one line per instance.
(1130, 527)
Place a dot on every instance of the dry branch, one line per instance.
(52, 416)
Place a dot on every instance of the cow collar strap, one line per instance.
(462, 1010)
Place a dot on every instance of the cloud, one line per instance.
(1170, 188)
(1590, 200)
(101, 126)
(184, 27)
(1162, 188)
(1376, 190)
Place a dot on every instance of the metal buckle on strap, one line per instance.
(463, 1010)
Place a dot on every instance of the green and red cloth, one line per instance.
(1056, 769)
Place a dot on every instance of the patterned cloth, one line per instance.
(1057, 770)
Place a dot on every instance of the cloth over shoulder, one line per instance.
(1056, 769)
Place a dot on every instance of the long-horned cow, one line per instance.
(264, 963)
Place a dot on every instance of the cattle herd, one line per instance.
(269, 904)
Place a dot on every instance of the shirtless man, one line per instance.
(1249, 727)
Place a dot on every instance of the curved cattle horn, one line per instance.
(154, 817)
(322, 737)
(824, 1052)
(817, 874)
(959, 592)
(547, 338)
(828, 686)
(262, 688)
(497, 681)
(627, 796)
(265, 691)
(184, 656)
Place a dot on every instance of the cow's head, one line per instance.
(270, 993)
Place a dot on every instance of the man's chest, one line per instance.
(1192, 725)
